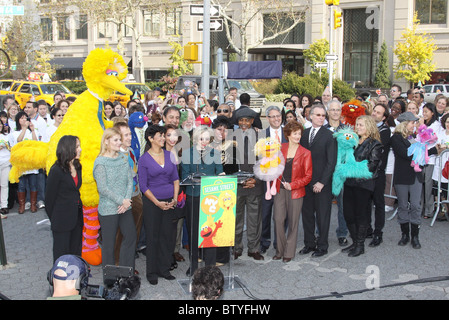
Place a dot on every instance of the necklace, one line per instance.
(155, 154)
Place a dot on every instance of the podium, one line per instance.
(231, 280)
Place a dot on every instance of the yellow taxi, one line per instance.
(24, 90)
(141, 88)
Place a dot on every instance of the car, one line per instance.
(141, 88)
(24, 90)
(258, 100)
(432, 90)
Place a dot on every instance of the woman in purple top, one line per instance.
(159, 183)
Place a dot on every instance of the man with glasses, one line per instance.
(274, 130)
(224, 110)
(317, 207)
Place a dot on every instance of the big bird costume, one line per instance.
(103, 70)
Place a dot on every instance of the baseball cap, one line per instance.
(73, 266)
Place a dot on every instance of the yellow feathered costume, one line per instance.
(103, 70)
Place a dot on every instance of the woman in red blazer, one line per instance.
(291, 190)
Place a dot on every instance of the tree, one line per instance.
(179, 66)
(22, 40)
(279, 16)
(316, 53)
(382, 77)
(415, 54)
(122, 13)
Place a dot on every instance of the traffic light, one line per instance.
(191, 52)
(337, 19)
(332, 2)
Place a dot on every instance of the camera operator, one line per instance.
(69, 279)
(68, 276)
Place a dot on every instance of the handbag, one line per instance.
(445, 172)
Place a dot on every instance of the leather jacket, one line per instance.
(371, 150)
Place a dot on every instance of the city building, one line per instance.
(365, 26)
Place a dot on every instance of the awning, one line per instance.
(68, 63)
(279, 49)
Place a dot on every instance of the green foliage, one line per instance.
(277, 97)
(314, 85)
(293, 83)
(343, 90)
(266, 86)
(77, 86)
(415, 54)
(317, 53)
(179, 66)
(382, 77)
(154, 84)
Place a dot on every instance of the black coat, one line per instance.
(324, 155)
(403, 173)
(373, 151)
(63, 199)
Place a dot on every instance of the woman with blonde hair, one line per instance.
(358, 192)
(114, 179)
(407, 183)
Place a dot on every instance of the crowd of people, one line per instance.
(138, 204)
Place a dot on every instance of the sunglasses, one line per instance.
(222, 110)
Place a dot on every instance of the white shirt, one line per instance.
(273, 133)
(28, 136)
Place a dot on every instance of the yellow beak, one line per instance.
(114, 83)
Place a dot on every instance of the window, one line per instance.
(81, 32)
(47, 29)
(360, 46)
(173, 22)
(275, 23)
(35, 90)
(152, 21)
(431, 11)
(25, 88)
(104, 30)
(63, 28)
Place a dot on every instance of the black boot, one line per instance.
(415, 239)
(405, 228)
(360, 243)
(377, 240)
(353, 234)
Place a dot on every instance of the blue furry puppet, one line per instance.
(347, 166)
(136, 120)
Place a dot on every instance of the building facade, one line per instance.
(365, 26)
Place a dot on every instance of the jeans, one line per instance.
(30, 179)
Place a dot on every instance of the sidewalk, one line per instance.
(389, 266)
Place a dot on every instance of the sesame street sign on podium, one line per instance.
(217, 211)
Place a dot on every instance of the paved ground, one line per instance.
(400, 273)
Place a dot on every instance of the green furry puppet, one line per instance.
(347, 166)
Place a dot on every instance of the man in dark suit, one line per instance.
(317, 206)
(276, 131)
(245, 103)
